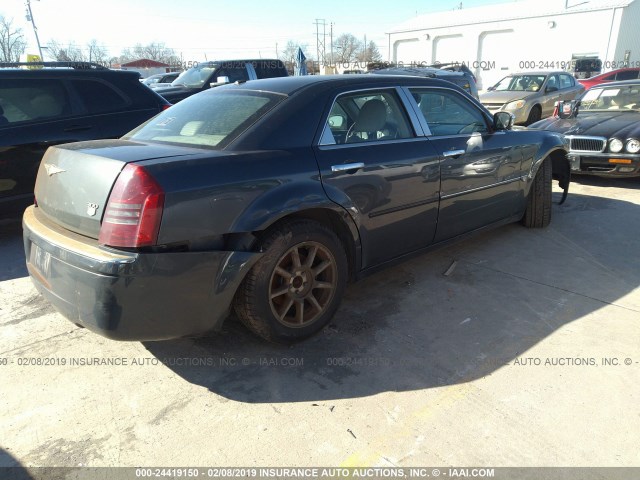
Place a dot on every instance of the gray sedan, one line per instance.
(531, 96)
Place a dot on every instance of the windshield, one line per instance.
(195, 77)
(520, 83)
(611, 98)
(210, 120)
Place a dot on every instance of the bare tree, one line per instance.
(156, 51)
(97, 53)
(12, 41)
(370, 54)
(346, 48)
(66, 53)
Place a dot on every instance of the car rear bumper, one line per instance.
(130, 295)
(605, 164)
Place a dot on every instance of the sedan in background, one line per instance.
(603, 129)
(613, 76)
(531, 96)
(268, 197)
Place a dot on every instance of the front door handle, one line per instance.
(347, 167)
(453, 153)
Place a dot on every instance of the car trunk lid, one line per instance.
(75, 180)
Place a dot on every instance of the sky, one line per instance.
(220, 29)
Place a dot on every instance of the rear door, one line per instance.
(480, 169)
(107, 111)
(375, 161)
(36, 114)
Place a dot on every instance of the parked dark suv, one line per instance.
(61, 103)
(461, 77)
(204, 75)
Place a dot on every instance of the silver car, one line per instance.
(531, 96)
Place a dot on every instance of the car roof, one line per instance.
(290, 85)
(539, 72)
(66, 72)
(419, 72)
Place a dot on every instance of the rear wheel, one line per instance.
(538, 213)
(294, 290)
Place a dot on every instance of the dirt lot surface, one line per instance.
(526, 354)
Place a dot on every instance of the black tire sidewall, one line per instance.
(275, 245)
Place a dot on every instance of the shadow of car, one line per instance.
(412, 328)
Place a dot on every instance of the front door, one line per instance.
(480, 169)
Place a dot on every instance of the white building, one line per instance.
(495, 40)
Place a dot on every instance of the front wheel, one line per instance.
(534, 115)
(538, 213)
(294, 290)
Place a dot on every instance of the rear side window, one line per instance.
(374, 116)
(566, 81)
(98, 97)
(32, 100)
(210, 121)
(269, 69)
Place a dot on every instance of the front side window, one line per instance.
(32, 100)
(448, 113)
(236, 73)
(210, 121)
(374, 116)
(611, 98)
(520, 83)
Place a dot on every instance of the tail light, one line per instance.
(134, 210)
(166, 106)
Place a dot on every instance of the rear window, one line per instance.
(210, 120)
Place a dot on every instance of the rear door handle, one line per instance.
(78, 128)
(453, 153)
(347, 167)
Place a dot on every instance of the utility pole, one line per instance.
(331, 38)
(35, 30)
(320, 43)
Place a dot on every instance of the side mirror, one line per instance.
(503, 120)
(219, 81)
(567, 109)
(551, 89)
(491, 88)
(336, 121)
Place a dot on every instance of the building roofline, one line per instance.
(511, 13)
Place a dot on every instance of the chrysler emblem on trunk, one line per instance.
(52, 169)
(92, 208)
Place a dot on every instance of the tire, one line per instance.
(538, 212)
(286, 296)
(534, 115)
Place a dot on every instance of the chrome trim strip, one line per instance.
(404, 207)
(346, 167)
(457, 194)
